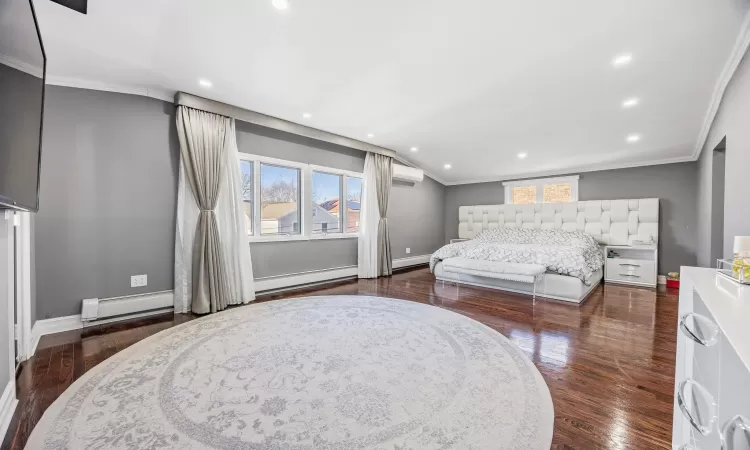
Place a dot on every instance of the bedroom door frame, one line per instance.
(25, 342)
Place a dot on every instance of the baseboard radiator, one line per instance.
(95, 310)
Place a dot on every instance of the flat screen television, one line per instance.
(23, 65)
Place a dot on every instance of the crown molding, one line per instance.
(573, 170)
(22, 66)
(733, 61)
(159, 94)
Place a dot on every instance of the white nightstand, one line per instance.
(453, 241)
(636, 265)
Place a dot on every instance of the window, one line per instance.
(353, 200)
(542, 190)
(287, 200)
(327, 208)
(246, 168)
(279, 200)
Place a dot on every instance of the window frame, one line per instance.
(305, 200)
(539, 184)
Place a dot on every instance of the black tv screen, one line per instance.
(22, 72)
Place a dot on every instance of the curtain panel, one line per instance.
(374, 249)
(212, 256)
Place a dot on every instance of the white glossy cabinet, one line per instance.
(712, 374)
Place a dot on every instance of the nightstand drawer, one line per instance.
(630, 270)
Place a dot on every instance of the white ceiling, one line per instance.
(471, 83)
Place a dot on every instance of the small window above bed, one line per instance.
(542, 190)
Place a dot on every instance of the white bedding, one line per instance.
(571, 253)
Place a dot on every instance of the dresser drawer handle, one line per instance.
(631, 275)
(728, 432)
(701, 426)
(703, 331)
(631, 265)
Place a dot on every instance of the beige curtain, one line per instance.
(203, 146)
(384, 170)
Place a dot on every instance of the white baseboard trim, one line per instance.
(410, 261)
(8, 404)
(57, 325)
(282, 282)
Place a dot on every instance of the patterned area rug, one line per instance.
(334, 372)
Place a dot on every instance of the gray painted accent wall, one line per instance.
(107, 200)
(6, 359)
(733, 123)
(673, 184)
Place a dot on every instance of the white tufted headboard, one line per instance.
(613, 222)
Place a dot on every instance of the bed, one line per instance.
(511, 227)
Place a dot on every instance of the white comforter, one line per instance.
(572, 253)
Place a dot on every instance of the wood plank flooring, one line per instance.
(609, 362)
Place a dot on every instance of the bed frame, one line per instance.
(610, 222)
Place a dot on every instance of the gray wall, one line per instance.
(6, 357)
(415, 212)
(20, 111)
(673, 184)
(733, 123)
(107, 200)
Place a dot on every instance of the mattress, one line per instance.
(559, 287)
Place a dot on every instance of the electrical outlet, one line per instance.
(138, 280)
(408, 250)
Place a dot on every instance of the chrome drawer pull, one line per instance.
(728, 432)
(699, 395)
(630, 275)
(705, 333)
(631, 265)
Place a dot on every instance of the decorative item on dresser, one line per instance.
(712, 373)
(616, 223)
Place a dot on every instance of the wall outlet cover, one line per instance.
(408, 250)
(138, 280)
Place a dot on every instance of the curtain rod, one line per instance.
(245, 115)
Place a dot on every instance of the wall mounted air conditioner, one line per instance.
(407, 174)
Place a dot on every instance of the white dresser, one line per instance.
(712, 373)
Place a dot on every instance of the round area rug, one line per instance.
(334, 372)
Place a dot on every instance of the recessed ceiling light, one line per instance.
(306, 115)
(447, 166)
(415, 149)
(522, 155)
(370, 135)
(622, 60)
(630, 102)
(205, 83)
(633, 138)
(280, 4)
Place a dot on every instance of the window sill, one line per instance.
(316, 237)
(280, 238)
(299, 237)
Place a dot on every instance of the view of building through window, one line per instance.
(555, 193)
(353, 201)
(326, 199)
(279, 200)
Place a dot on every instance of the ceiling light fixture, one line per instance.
(629, 103)
(205, 83)
(633, 138)
(280, 4)
(306, 115)
(447, 166)
(622, 60)
(522, 155)
(370, 135)
(415, 149)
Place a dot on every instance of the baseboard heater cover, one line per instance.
(94, 309)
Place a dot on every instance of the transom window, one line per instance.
(287, 200)
(542, 190)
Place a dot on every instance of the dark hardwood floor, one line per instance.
(609, 362)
